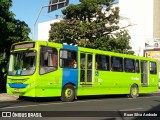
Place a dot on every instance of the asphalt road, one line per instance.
(94, 108)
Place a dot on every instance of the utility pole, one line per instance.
(33, 35)
(53, 5)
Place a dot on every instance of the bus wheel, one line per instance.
(68, 93)
(134, 92)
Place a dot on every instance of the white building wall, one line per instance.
(156, 17)
(43, 29)
(138, 13)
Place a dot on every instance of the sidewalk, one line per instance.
(6, 97)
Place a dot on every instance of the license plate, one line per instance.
(16, 90)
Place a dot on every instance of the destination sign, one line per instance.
(23, 45)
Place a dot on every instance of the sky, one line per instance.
(28, 10)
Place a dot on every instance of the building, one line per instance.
(142, 18)
(43, 29)
(156, 16)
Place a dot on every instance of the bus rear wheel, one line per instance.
(68, 93)
(134, 92)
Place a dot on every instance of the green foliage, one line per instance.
(92, 24)
(11, 31)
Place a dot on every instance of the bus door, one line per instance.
(86, 68)
(144, 73)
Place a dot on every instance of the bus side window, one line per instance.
(137, 66)
(153, 68)
(68, 59)
(117, 64)
(102, 62)
(129, 65)
(48, 60)
(55, 59)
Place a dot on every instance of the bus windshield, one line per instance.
(22, 63)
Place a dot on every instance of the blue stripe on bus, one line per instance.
(70, 75)
(13, 85)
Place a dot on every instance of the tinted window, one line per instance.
(137, 66)
(102, 62)
(153, 68)
(117, 64)
(129, 65)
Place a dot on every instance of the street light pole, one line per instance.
(56, 6)
(33, 35)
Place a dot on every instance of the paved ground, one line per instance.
(6, 97)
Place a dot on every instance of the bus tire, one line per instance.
(68, 93)
(134, 92)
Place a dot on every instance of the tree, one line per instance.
(92, 24)
(11, 31)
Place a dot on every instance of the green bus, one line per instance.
(47, 69)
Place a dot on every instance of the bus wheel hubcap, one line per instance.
(134, 91)
(68, 93)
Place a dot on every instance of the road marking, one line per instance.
(131, 109)
(146, 97)
(30, 105)
(60, 103)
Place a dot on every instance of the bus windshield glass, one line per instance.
(22, 63)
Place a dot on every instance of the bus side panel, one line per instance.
(48, 84)
(118, 83)
(110, 82)
(70, 76)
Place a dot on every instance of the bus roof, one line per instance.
(95, 51)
